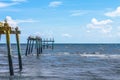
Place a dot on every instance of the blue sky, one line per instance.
(68, 21)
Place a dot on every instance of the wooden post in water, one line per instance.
(27, 47)
(37, 47)
(18, 47)
(41, 45)
(9, 53)
(47, 43)
(43, 42)
(32, 45)
(9, 48)
(52, 43)
(6, 29)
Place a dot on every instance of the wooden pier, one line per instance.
(7, 30)
(31, 41)
(48, 43)
(39, 44)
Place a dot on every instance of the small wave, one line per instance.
(84, 54)
(112, 56)
(1, 54)
(66, 53)
(4, 70)
(93, 55)
(56, 54)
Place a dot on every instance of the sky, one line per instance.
(67, 21)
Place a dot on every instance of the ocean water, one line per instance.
(65, 62)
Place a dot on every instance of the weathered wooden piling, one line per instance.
(32, 45)
(31, 41)
(9, 52)
(18, 48)
(6, 29)
(39, 44)
(37, 47)
(52, 43)
(48, 43)
(27, 47)
(41, 47)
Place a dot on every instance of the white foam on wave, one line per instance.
(56, 54)
(85, 54)
(112, 56)
(1, 54)
(66, 53)
(4, 70)
(93, 55)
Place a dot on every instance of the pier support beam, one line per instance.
(9, 52)
(18, 47)
(37, 47)
(32, 45)
(27, 47)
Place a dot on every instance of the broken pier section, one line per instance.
(39, 44)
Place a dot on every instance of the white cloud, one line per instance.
(55, 4)
(19, 0)
(88, 31)
(11, 21)
(98, 24)
(2, 4)
(14, 23)
(103, 25)
(114, 13)
(118, 31)
(107, 30)
(77, 13)
(66, 35)
(13, 2)
(38, 33)
(26, 21)
(47, 34)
